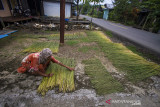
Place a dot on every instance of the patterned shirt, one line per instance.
(31, 62)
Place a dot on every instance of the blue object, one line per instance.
(7, 34)
(66, 20)
(2, 36)
(105, 15)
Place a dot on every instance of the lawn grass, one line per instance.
(39, 46)
(63, 78)
(136, 67)
(101, 80)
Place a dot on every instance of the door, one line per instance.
(53, 9)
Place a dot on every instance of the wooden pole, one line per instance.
(77, 10)
(62, 20)
(1, 24)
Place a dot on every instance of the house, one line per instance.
(4, 8)
(15, 11)
(12, 7)
(36, 7)
(52, 8)
(17, 7)
(19, 11)
(106, 9)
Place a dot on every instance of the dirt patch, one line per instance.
(88, 44)
(72, 52)
(110, 68)
(81, 80)
(75, 31)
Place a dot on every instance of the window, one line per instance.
(1, 5)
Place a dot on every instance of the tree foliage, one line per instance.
(92, 10)
(86, 7)
(153, 18)
(128, 11)
(86, 1)
(125, 10)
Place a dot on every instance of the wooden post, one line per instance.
(42, 8)
(77, 10)
(1, 24)
(62, 20)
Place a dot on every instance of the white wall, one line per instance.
(53, 9)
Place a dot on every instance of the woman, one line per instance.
(36, 63)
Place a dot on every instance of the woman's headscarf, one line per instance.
(44, 54)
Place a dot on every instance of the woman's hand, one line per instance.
(50, 75)
(71, 69)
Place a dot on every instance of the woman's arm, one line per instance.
(58, 62)
(71, 69)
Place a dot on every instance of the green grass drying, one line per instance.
(136, 67)
(39, 46)
(101, 80)
(63, 78)
(21, 34)
(108, 33)
(34, 36)
(143, 54)
(67, 36)
(72, 42)
(50, 32)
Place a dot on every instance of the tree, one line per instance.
(77, 3)
(86, 7)
(86, 1)
(153, 18)
(124, 10)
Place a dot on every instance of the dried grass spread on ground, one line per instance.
(136, 67)
(100, 78)
(62, 78)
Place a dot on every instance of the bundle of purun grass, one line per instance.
(62, 78)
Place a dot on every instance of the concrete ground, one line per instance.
(20, 91)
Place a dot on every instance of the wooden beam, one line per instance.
(62, 20)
